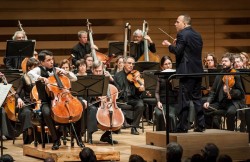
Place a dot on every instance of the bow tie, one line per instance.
(50, 70)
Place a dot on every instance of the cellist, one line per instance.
(97, 69)
(42, 73)
(24, 102)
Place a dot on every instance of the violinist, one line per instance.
(130, 94)
(138, 38)
(24, 102)
(82, 47)
(42, 72)
(15, 62)
(227, 94)
(97, 69)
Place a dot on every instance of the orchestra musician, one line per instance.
(119, 64)
(15, 62)
(82, 47)
(81, 67)
(24, 102)
(187, 49)
(225, 96)
(160, 95)
(89, 62)
(8, 128)
(42, 72)
(211, 61)
(238, 62)
(138, 38)
(97, 69)
(130, 94)
(65, 65)
(245, 58)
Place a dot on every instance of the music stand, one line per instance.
(13, 79)
(141, 66)
(245, 79)
(20, 49)
(90, 86)
(117, 48)
(150, 81)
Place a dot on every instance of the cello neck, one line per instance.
(145, 32)
(93, 52)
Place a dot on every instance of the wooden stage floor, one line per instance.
(125, 140)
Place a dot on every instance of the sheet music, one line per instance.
(4, 90)
(169, 70)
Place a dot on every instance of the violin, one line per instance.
(109, 115)
(135, 77)
(65, 107)
(10, 102)
(229, 82)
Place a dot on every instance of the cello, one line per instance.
(10, 102)
(109, 115)
(147, 56)
(65, 107)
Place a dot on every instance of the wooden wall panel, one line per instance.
(54, 24)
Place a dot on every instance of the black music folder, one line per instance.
(117, 48)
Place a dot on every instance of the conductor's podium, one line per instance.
(232, 143)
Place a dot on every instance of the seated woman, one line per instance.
(119, 64)
(81, 67)
(211, 61)
(160, 95)
(65, 65)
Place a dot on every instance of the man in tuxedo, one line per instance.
(187, 48)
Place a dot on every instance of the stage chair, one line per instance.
(128, 113)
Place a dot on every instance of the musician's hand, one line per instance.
(94, 47)
(166, 43)
(142, 88)
(20, 103)
(85, 104)
(61, 72)
(106, 73)
(206, 105)
(43, 79)
(226, 89)
(147, 37)
(159, 105)
(174, 42)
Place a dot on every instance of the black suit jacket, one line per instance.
(188, 51)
